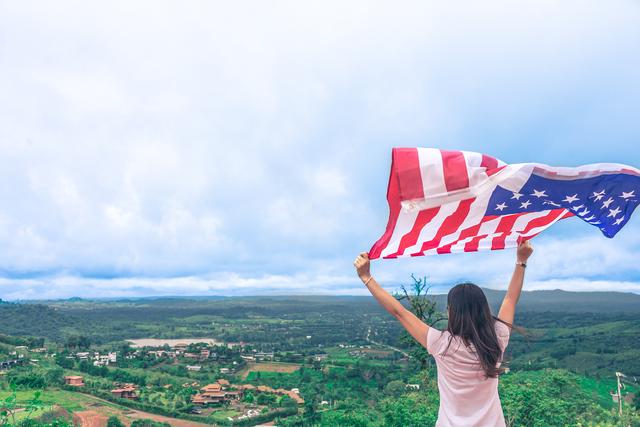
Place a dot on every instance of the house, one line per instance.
(412, 386)
(211, 388)
(627, 398)
(195, 368)
(74, 380)
(198, 399)
(205, 399)
(195, 356)
(295, 396)
(83, 355)
(263, 356)
(224, 370)
(126, 392)
(105, 359)
(204, 354)
(213, 393)
(223, 382)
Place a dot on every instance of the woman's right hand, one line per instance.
(362, 265)
(524, 251)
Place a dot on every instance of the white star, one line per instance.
(549, 202)
(599, 195)
(539, 194)
(618, 221)
(525, 205)
(577, 208)
(613, 212)
(594, 222)
(606, 203)
(584, 212)
(516, 196)
(571, 199)
(628, 195)
(591, 218)
(501, 206)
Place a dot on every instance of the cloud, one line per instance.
(172, 143)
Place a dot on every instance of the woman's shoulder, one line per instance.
(502, 329)
(434, 338)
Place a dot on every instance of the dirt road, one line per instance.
(102, 409)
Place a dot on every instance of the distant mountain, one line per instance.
(571, 302)
(554, 300)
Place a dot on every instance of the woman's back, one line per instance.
(467, 397)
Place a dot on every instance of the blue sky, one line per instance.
(172, 148)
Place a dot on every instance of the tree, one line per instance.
(287, 402)
(149, 423)
(114, 422)
(310, 413)
(55, 376)
(63, 361)
(414, 409)
(265, 399)
(424, 307)
(346, 419)
(394, 388)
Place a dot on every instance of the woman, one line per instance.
(469, 352)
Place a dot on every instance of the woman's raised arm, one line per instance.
(508, 309)
(416, 327)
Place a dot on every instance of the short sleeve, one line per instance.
(433, 340)
(503, 332)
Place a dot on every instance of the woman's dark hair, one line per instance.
(470, 319)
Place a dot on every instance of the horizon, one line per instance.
(274, 295)
(220, 151)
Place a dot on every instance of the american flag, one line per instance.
(458, 201)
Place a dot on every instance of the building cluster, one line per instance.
(371, 353)
(222, 391)
(259, 356)
(122, 391)
(11, 363)
(180, 350)
(98, 359)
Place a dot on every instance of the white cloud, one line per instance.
(164, 140)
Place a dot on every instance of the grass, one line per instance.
(224, 414)
(253, 375)
(69, 400)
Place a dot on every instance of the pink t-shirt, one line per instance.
(467, 398)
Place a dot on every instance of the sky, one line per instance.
(240, 148)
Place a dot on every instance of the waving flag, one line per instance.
(459, 201)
